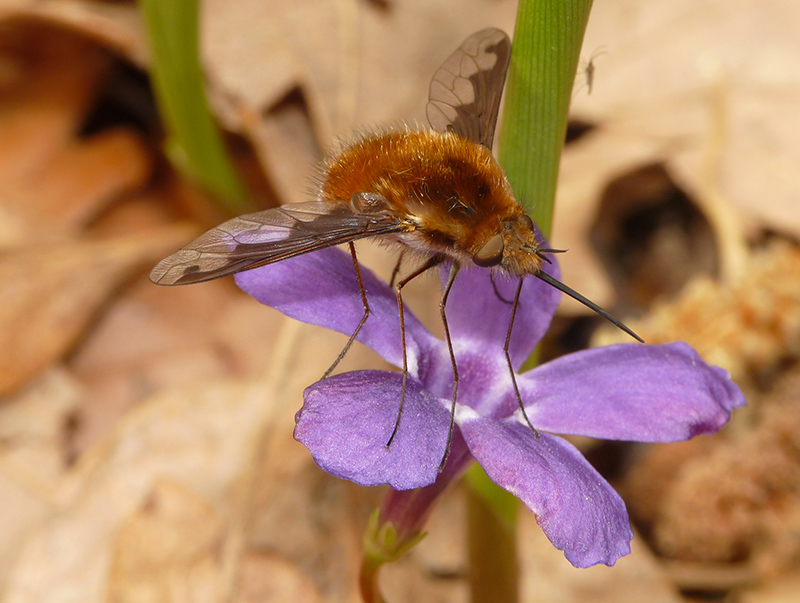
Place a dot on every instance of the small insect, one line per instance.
(588, 69)
(440, 194)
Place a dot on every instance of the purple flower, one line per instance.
(623, 392)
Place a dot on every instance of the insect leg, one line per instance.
(442, 304)
(506, 347)
(396, 270)
(497, 291)
(434, 261)
(364, 302)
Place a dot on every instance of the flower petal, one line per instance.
(347, 420)
(575, 507)
(475, 312)
(320, 288)
(408, 510)
(649, 393)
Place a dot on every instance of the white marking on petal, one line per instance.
(465, 413)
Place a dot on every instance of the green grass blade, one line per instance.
(194, 142)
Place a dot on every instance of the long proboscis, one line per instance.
(587, 302)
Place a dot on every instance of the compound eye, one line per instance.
(526, 221)
(491, 254)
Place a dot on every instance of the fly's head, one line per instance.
(513, 247)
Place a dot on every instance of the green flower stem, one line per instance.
(194, 143)
(368, 580)
(544, 57)
(492, 547)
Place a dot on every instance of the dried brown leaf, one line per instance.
(548, 577)
(114, 25)
(268, 578)
(706, 89)
(201, 438)
(51, 181)
(34, 456)
(50, 81)
(782, 589)
(168, 550)
(714, 84)
(51, 293)
(79, 181)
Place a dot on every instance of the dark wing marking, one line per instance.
(269, 236)
(465, 92)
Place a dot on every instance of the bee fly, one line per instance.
(439, 193)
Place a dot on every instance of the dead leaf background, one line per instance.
(146, 449)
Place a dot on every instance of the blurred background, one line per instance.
(145, 432)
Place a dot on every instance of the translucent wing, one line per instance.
(269, 236)
(465, 92)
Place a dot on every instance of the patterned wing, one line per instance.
(465, 92)
(269, 236)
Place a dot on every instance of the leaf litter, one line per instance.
(160, 464)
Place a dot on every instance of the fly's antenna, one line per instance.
(542, 253)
